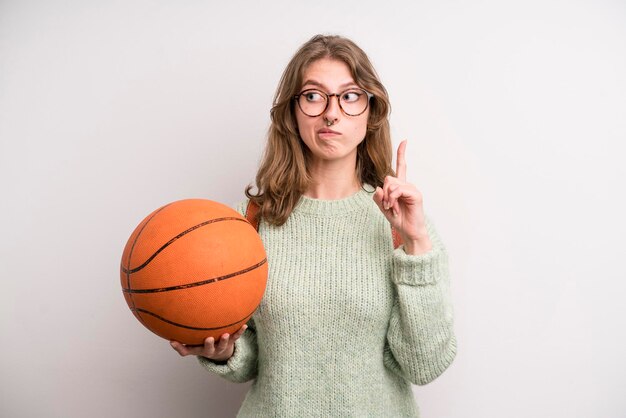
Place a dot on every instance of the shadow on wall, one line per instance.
(159, 385)
(218, 397)
(197, 392)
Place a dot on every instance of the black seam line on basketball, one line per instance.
(132, 248)
(168, 243)
(200, 283)
(188, 326)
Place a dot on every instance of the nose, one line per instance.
(333, 110)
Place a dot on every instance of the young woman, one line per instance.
(347, 322)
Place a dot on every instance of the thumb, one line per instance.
(378, 197)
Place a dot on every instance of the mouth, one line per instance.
(326, 131)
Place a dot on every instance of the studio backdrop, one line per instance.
(515, 117)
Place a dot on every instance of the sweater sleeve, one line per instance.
(242, 365)
(420, 340)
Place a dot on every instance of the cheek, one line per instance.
(304, 124)
(360, 128)
(306, 131)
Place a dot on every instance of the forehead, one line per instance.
(329, 73)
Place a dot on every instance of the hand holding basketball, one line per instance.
(220, 351)
(401, 203)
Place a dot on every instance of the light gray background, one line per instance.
(515, 114)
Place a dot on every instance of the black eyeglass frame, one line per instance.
(328, 96)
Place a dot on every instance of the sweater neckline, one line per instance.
(359, 200)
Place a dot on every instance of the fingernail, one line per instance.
(395, 214)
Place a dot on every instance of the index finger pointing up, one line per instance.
(401, 162)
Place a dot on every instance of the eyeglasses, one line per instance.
(352, 102)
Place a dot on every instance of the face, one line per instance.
(339, 141)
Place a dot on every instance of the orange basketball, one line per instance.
(193, 269)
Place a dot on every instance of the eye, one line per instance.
(313, 96)
(351, 96)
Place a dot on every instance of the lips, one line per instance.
(327, 131)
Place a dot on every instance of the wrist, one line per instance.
(418, 247)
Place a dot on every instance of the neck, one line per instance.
(332, 181)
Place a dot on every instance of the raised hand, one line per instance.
(401, 203)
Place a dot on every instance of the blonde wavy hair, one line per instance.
(283, 175)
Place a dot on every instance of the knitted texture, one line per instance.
(347, 323)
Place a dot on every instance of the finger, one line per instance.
(395, 209)
(393, 193)
(209, 347)
(239, 333)
(390, 182)
(187, 350)
(180, 349)
(378, 198)
(221, 346)
(401, 161)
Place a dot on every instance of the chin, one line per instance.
(333, 155)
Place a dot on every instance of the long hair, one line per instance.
(283, 175)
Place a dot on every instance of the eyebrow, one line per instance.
(318, 84)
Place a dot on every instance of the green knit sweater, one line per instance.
(347, 323)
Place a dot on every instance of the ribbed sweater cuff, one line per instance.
(421, 269)
(235, 363)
